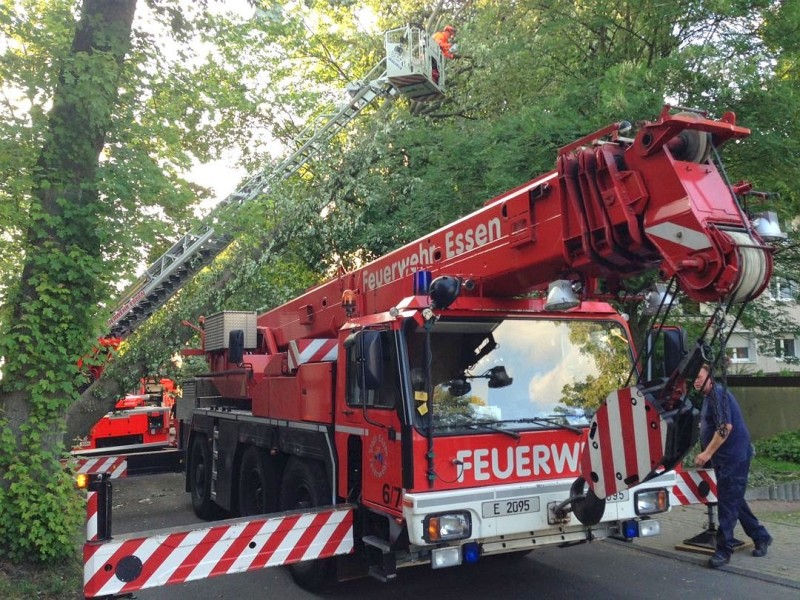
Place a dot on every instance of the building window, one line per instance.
(783, 290)
(739, 354)
(784, 348)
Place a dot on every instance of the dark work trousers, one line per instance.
(731, 506)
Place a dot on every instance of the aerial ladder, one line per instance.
(412, 67)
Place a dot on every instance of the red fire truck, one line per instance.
(140, 421)
(430, 407)
(440, 389)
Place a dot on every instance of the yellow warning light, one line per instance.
(349, 302)
(82, 481)
(434, 532)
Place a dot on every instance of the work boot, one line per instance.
(718, 560)
(761, 547)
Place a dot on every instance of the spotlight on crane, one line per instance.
(656, 298)
(766, 225)
(561, 296)
(444, 290)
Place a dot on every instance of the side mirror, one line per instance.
(498, 377)
(674, 348)
(236, 346)
(666, 347)
(459, 387)
(371, 359)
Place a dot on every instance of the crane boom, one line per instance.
(612, 209)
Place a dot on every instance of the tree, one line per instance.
(248, 84)
(61, 283)
(81, 224)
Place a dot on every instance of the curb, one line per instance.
(788, 492)
(687, 558)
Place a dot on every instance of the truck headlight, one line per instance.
(648, 502)
(445, 527)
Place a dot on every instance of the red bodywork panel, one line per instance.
(494, 460)
(302, 397)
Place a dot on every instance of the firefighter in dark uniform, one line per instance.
(725, 438)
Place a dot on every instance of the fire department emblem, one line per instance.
(378, 450)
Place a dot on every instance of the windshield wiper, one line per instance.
(544, 420)
(492, 426)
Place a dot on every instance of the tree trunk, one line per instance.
(55, 303)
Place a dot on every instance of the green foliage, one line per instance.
(782, 447)
(51, 305)
(40, 510)
(62, 581)
(766, 472)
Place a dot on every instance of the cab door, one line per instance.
(371, 415)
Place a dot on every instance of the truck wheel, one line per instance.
(306, 486)
(200, 478)
(257, 483)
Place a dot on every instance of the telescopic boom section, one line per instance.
(613, 208)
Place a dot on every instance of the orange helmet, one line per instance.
(449, 29)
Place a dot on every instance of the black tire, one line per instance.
(258, 483)
(200, 478)
(304, 486)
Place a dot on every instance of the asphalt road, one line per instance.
(599, 570)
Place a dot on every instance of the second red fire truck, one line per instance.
(139, 422)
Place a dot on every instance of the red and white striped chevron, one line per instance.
(626, 442)
(115, 466)
(694, 487)
(91, 516)
(313, 350)
(128, 564)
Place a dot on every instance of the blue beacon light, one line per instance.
(422, 283)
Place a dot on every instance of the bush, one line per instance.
(784, 446)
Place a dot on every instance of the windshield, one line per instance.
(516, 374)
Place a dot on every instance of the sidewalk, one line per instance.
(781, 565)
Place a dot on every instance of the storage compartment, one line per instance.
(316, 392)
(219, 326)
(307, 396)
